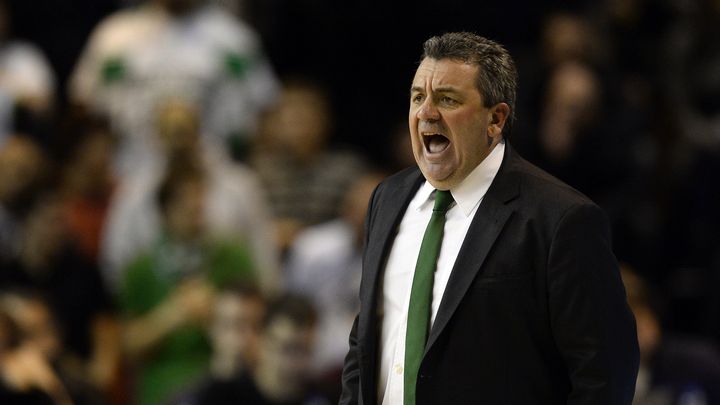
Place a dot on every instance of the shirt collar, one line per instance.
(470, 191)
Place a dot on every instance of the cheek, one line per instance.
(471, 133)
(416, 145)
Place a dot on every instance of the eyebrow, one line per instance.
(442, 89)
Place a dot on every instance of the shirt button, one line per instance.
(398, 369)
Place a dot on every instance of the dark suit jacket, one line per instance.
(534, 311)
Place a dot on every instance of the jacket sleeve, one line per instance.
(591, 321)
(351, 372)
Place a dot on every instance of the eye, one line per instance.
(417, 98)
(448, 100)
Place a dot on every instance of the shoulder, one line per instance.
(404, 178)
(224, 28)
(542, 190)
(395, 188)
(545, 203)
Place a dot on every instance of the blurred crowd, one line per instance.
(183, 183)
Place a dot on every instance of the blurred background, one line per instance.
(183, 182)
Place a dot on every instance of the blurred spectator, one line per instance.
(36, 362)
(47, 261)
(188, 49)
(167, 293)
(238, 311)
(572, 103)
(575, 139)
(234, 332)
(87, 182)
(282, 374)
(304, 178)
(22, 166)
(673, 371)
(324, 263)
(26, 80)
(568, 37)
(691, 72)
(23, 372)
(571, 123)
(691, 75)
(233, 205)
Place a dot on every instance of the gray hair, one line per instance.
(497, 75)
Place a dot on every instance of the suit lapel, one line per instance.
(489, 220)
(391, 206)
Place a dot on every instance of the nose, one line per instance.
(428, 111)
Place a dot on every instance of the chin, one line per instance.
(444, 184)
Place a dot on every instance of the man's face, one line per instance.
(451, 130)
(235, 328)
(285, 356)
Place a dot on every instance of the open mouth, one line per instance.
(435, 143)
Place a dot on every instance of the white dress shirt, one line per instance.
(400, 266)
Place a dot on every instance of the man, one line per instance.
(167, 292)
(234, 334)
(523, 303)
(233, 204)
(281, 374)
(325, 263)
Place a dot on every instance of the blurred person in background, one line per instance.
(691, 67)
(25, 376)
(325, 263)
(27, 82)
(233, 205)
(691, 70)
(282, 373)
(234, 331)
(166, 294)
(569, 101)
(569, 36)
(22, 170)
(673, 371)
(575, 142)
(87, 183)
(304, 178)
(37, 361)
(190, 49)
(50, 263)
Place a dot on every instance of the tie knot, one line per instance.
(443, 199)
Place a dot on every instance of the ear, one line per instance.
(499, 114)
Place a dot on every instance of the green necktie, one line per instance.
(418, 324)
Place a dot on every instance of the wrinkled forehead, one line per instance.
(436, 73)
